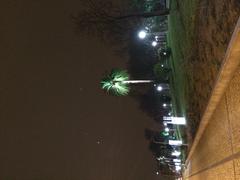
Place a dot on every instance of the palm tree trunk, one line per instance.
(137, 81)
(145, 14)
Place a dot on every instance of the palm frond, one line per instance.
(114, 82)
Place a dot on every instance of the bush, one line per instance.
(161, 73)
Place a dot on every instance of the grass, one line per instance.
(199, 32)
(180, 37)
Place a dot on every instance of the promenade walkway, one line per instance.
(215, 153)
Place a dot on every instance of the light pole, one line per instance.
(156, 38)
(162, 86)
(142, 34)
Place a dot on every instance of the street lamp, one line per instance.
(178, 168)
(142, 34)
(159, 88)
(167, 105)
(162, 86)
(167, 129)
(154, 43)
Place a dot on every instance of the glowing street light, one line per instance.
(167, 129)
(165, 105)
(142, 34)
(178, 168)
(154, 43)
(159, 88)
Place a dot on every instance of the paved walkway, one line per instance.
(215, 153)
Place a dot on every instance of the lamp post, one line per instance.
(162, 86)
(156, 38)
(142, 34)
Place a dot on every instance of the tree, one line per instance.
(117, 82)
(162, 73)
(110, 21)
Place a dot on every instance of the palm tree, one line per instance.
(117, 82)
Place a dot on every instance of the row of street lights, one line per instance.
(158, 37)
(175, 163)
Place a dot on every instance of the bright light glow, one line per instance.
(164, 53)
(169, 114)
(164, 105)
(160, 158)
(159, 88)
(179, 120)
(154, 43)
(165, 124)
(175, 142)
(178, 168)
(157, 173)
(176, 153)
(142, 34)
(167, 129)
(175, 120)
(177, 164)
(177, 160)
(156, 37)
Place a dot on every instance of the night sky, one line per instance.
(55, 121)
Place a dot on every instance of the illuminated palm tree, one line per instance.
(117, 82)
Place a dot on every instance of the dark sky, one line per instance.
(55, 121)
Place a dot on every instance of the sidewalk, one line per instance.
(215, 153)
